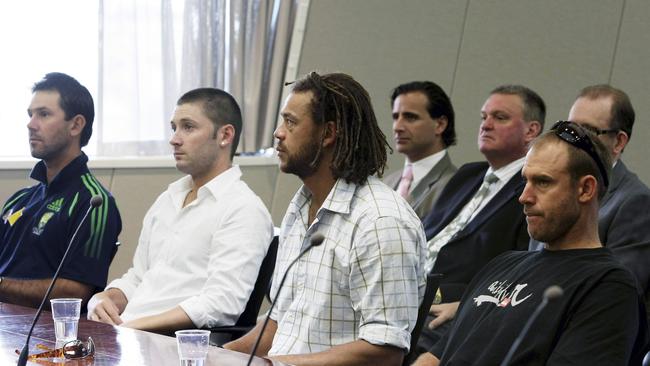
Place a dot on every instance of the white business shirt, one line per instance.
(204, 257)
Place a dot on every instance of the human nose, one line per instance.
(398, 124)
(32, 125)
(526, 197)
(487, 123)
(279, 132)
(175, 140)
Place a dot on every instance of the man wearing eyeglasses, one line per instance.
(589, 312)
(623, 222)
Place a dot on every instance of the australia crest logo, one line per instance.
(37, 230)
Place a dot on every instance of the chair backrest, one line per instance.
(249, 316)
(433, 281)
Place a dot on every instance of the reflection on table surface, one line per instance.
(114, 345)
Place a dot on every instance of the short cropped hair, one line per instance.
(220, 107)
(534, 106)
(74, 99)
(580, 163)
(622, 113)
(360, 147)
(438, 104)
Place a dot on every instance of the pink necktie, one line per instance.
(405, 182)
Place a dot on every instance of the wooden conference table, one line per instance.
(114, 345)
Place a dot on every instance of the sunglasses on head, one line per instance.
(575, 135)
(597, 131)
(71, 350)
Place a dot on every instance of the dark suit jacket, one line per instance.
(498, 227)
(624, 224)
(427, 192)
(623, 217)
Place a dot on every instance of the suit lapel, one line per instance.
(466, 194)
(511, 190)
(428, 181)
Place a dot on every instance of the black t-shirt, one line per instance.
(596, 322)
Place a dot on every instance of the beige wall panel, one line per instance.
(286, 186)
(383, 43)
(631, 72)
(261, 179)
(554, 47)
(104, 176)
(13, 180)
(135, 191)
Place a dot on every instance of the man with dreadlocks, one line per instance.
(352, 300)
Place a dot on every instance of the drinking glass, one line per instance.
(192, 346)
(65, 313)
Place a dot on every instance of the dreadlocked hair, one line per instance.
(360, 148)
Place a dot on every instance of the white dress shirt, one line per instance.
(204, 257)
(365, 281)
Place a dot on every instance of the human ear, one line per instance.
(441, 124)
(226, 134)
(77, 125)
(587, 188)
(329, 132)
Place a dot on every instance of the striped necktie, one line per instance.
(459, 222)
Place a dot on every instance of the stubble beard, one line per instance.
(556, 229)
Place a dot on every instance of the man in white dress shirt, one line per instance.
(203, 240)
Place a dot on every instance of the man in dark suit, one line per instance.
(423, 129)
(480, 216)
(623, 221)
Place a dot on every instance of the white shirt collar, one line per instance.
(422, 167)
(505, 173)
(215, 187)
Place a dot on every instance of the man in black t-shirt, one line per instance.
(599, 320)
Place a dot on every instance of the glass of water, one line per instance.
(192, 346)
(65, 313)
